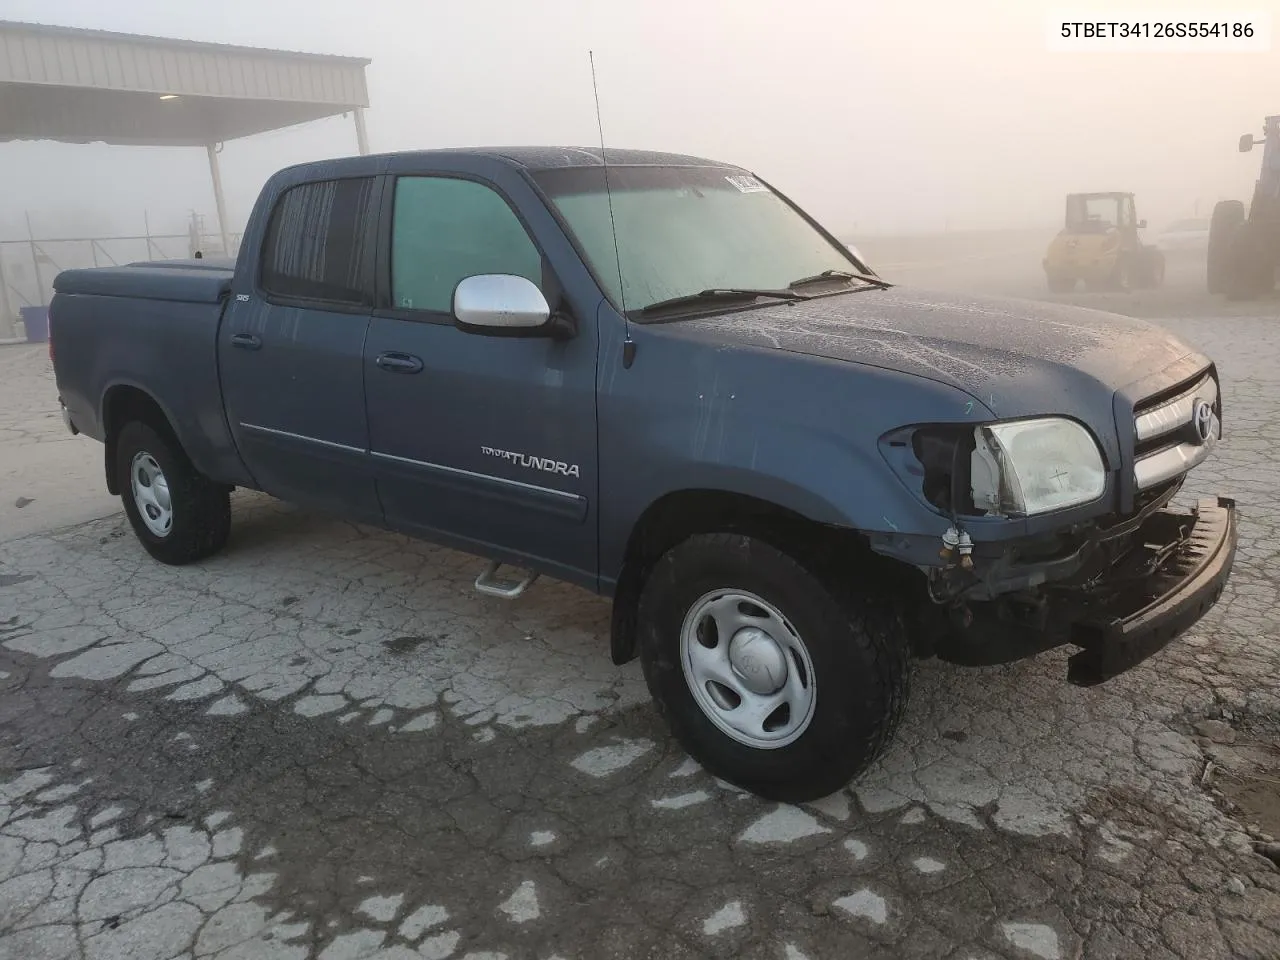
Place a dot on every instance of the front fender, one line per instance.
(798, 431)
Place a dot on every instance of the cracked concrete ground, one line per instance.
(322, 743)
(47, 477)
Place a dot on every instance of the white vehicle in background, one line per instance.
(1185, 236)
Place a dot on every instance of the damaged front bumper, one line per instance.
(1184, 561)
(1120, 608)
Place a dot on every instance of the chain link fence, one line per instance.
(29, 265)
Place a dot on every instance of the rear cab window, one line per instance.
(318, 244)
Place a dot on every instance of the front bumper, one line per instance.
(1184, 564)
(1121, 604)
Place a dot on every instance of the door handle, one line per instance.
(246, 341)
(399, 363)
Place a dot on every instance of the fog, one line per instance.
(914, 116)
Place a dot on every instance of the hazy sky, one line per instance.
(877, 116)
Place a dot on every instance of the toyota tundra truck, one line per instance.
(657, 378)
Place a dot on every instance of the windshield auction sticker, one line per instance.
(1182, 30)
(748, 184)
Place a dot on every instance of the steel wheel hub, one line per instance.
(748, 669)
(757, 660)
(151, 493)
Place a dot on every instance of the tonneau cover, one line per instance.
(185, 282)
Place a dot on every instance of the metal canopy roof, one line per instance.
(83, 86)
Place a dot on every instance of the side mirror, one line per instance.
(499, 304)
(1246, 142)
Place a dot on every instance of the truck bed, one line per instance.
(150, 328)
(175, 281)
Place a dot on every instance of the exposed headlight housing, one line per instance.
(1027, 467)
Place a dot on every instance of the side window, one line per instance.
(316, 243)
(446, 230)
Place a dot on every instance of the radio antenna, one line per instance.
(628, 345)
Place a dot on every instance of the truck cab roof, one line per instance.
(530, 158)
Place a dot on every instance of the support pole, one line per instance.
(35, 260)
(362, 135)
(6, 309)
(218, 200)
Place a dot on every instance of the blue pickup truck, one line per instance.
(661, 380)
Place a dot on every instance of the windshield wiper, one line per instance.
(839, 275)
(721, 294)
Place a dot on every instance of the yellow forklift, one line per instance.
(1099, 245)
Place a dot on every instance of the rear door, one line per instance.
(486, 441)
(290, 348)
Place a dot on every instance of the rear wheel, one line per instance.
(1061, 284)
(177, 513)
(1224, 224)
(1251, 271)
(1122, 276)
(1151, 273)
(766, 677)
(1157, 268)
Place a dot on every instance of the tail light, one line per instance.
(49, 332)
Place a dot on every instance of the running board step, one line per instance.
(490, 583)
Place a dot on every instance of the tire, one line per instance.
(1061, 284)
(1157, 269)
(1251, 271)
(1224, 225)
(847, 667)
(1150, 272)
(152, 469)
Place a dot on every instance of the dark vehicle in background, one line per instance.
(667, 384)
(1244, 248)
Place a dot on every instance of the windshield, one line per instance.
(683, 230)
(1093, 213)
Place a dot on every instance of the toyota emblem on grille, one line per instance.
(1202, 417)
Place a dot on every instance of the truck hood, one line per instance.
(1017, 357)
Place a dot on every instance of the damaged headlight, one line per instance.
(1034, 466)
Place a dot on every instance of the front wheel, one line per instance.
(1152, 265)
(766, 677)
(1228, 217)
(1157, 269)
(177, 513)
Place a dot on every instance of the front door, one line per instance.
(488, 442)
(290, 349)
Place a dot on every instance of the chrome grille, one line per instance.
(1170, 438)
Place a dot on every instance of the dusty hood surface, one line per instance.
(1018, 357)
